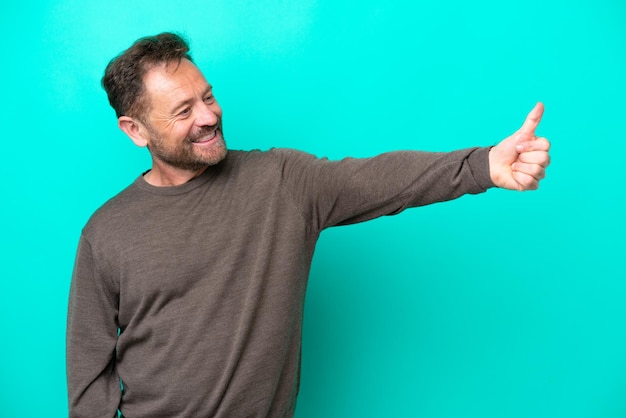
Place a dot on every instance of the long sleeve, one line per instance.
(356, 190)
(93, 383)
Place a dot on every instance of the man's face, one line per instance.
(184, 121)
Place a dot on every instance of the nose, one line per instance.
(206, 115)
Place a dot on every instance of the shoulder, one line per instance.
(273, 155)
(113, 209)
(257, 162)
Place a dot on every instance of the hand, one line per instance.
(519, 162)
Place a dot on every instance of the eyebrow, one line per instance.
(188, 101)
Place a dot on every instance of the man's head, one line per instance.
(123, 77)
(163, 101)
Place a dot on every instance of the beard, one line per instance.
(186, 155)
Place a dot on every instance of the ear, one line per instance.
(134, 129)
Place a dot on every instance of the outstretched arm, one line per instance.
(519, 162)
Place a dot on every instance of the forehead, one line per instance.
(174, 81)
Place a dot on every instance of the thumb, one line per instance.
(533, 119)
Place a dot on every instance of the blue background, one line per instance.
(501, 305)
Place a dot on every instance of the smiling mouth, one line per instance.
(205, 138)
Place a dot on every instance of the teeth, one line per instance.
(205, 138)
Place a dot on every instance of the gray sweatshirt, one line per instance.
(192, 296)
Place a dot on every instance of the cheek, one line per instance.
(215, 108)
(179, 131)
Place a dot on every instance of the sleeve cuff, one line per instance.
(479, 164)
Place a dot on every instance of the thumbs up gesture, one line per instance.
(519, 162)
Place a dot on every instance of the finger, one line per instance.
(525, 181)
(541, 158)
(533, 119)
(535, 171)
(538, 144)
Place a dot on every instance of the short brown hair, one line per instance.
(123, 77)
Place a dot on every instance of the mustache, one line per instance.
(204, 131)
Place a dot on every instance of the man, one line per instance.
(188, 289)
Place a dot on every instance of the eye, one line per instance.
(186, 111)
(209, 99)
